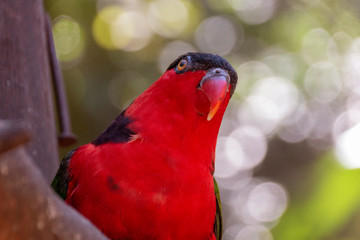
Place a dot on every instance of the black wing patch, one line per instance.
(60, 182)
(218, 227)
(117, 132)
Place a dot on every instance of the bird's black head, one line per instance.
(204, 61)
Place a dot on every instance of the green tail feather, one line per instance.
(218, 227)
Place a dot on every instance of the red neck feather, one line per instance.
(166, 114)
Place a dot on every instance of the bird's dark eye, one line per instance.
(182, 65)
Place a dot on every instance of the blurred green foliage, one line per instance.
(324, 204)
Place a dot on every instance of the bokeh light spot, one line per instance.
(344, 122)
(254, 11)
(251, 72)
(297, 126)
(253, 143)
(168, 18)
(69, 39)
(231, 232)
(254, 232)
(324, 117)
(347, 148)
(282, 92)
(267, 202)
(314, 45)
(130, 31)
(352, 104)
(171, 51)
(339, 46)
(271, 100)
(322, 82)
(234, 182)
(126, 4)
(102, 26)
(283, 65)
(351, 66)
(229, 157)
(217, 35)
(117, 28)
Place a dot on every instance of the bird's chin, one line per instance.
(202, 103)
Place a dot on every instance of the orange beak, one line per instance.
(215, 85)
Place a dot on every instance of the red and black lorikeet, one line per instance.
(149, 175)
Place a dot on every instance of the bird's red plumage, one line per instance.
(159, 185)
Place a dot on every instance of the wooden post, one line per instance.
(25, 83)
(29, 209)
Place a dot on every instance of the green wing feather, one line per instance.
(61, 180)
(218, 227)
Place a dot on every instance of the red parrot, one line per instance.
(149, 175)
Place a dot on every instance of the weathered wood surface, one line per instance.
(25, 86)
(29, 209)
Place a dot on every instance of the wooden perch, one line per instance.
(13, 134)
(29, 209)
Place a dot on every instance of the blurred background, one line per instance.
(288, 154)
